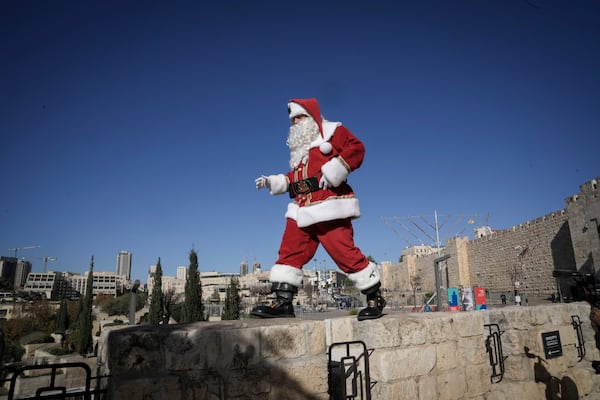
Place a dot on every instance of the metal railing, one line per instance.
(348, 371)
(580, 346)
(493, 346)
(94, 388)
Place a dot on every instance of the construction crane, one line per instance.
(433, 232)
(16, 249)
(46, 259)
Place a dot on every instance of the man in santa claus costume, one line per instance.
(322, 156)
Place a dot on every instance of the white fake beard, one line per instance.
(299, 139)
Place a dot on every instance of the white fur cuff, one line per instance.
(335, 172)
(366, 278)
(286, 274)
(279, 184)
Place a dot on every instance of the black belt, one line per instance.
(303, 187)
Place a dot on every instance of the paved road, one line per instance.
(335, 313)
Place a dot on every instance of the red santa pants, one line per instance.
(299, 245)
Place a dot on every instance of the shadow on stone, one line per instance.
(231, 360)
(556, 389)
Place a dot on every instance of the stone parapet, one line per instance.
(417, 356)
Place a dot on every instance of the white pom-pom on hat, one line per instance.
(295, 109)
(325, 148)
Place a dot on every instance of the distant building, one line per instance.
(124, 264)
(23, 269)
(14, 271)
(52, 285)
(182, 272)
(244, 268)
(256, 267)
(60, 285)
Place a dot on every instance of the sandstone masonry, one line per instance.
(420, 356)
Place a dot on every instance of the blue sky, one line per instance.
(141, 125)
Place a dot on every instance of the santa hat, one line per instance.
(309, 107)
(295, 109)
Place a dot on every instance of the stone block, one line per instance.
(412, 361)
(316, 343)
(339, 330)
(518, 368)
(451, 384)
(478, 380)
(447, 356)
(427, 386)
(283, 341)
(472, 350)
(517, 390)
(136, 352)
(586, 380)
(305, 376)
(404, 389)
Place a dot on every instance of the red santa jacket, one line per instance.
(336, 153)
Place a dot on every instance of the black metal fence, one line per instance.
(89, 388)
(348, 371)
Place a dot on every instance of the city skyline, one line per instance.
(143, 126)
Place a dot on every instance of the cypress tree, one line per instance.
(193, 309)
(233, 302)
(156, 298)
(62, 318)
(84, 322)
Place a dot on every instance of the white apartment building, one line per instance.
(124, 264)
(57, 285)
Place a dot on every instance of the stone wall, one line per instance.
(584, 211)
(418, 356)
(528, 253)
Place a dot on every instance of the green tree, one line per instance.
(193, 309)
(233, 302)
(62, 318)
(176, 311)
(120, 305)
(84, 343)
(415, 283)
(169, 301)
(215, 297)
(155, 314)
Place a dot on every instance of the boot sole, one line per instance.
(366, 318)
(263, 315)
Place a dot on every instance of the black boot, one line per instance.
(375, 304)
(284, 307)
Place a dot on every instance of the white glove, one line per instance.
(262, 182)
(335, 172)
(324, 183)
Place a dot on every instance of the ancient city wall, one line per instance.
(584, 212)
(527, 253)
(420, 356)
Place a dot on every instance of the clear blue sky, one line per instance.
(141, 126)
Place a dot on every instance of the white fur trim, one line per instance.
(366, 278)
(325, 148)
(327, 210)
(296, 109)
(335, 172)
(279, 184)
(286, 274)
(328, 130)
